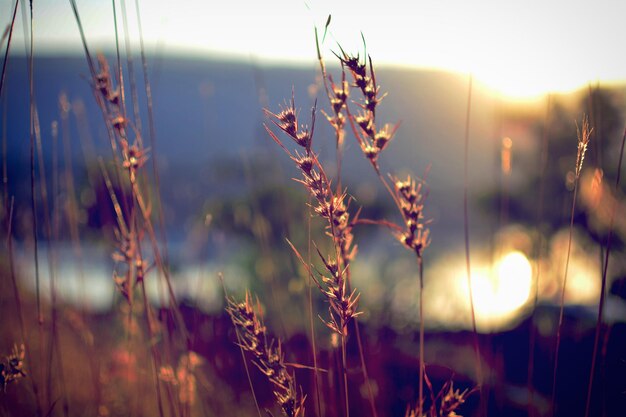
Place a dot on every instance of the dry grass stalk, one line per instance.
(407, 195)
(604, 279)
(134, 155)
(331, 206)
(8, 33)
(466, 234)
(338, 99)
(444, 404)
(583, 141)
(134, 219)
(151, 132)
(372, 138)
(12, 367)
(338, 95)
(540, 250)
(133, 158)
(268, 354)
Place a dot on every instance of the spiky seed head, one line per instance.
(288, 115)
(305, 164)
(369, 91)
(119, 122)
(287, 121)
(403, 186)
(381, 139)
(371, 152)
(371, 103)
(337, 104)
(584, 136)
(303, 139)
(341, 93)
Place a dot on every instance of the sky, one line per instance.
(519, 48)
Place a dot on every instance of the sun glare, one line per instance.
(500, 291)
(522, 52)
(524, 87)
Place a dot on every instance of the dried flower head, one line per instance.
(287, 121)
(104, 83)
(343, 306)
(268, 355)
(329, 204)
(584, 136)
(445, 404)
(411, 200)
(12, 367)
(134, 158)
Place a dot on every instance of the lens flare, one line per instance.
(500, 291)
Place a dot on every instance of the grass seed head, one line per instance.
(584, 135)
(12, 367)
(268, 355)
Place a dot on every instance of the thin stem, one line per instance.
(50, 250)
(33, 195)
(32, 167)
(243, 355)
(604, 275)
(310, 302)
(6, 52)
(145, 212)
(16, 292)
(344, 363)
(479, 372)
(562, 304)
(53, 236)
(92, 69)
(131, 69)
(152, 136)
(155, 359)
(5, 164)
(539, 254)
(370, 392)
(72, 206)
(421, 353)
(120, 77)
(18, 300)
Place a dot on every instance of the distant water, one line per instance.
(87, 281)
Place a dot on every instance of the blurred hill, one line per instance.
(209, 121)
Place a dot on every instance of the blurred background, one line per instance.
(530, 71)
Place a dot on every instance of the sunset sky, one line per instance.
(520, 48)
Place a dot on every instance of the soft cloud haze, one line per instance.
(518, 47)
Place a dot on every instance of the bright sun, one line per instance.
(518, 82)
(522, 50)
(500, 292)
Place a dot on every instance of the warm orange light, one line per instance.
(507, 144)
(500, 292)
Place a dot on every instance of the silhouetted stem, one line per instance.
(604, 275)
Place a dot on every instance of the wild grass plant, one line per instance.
(148, 361)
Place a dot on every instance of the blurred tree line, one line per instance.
(540, 196)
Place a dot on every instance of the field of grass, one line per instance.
(319, 276)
